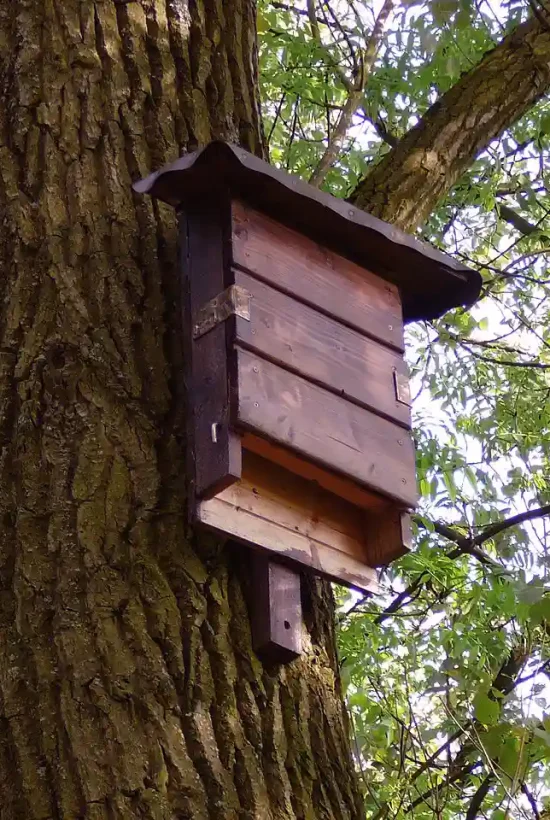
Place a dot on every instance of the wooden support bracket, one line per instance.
(276, 615)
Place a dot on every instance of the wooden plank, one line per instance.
(223, 517)
(276, 612)
(375, 536)
(298, 505)
(333, 483)
(389, 535)
(296, 265)
(322, 349)
(329, 430)
(204, 231)
(274, 510)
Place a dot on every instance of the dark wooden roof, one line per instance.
(431, 282)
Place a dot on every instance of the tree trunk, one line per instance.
(128, 687)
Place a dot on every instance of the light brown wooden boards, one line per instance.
(275, 510)
(295, 264)
(321, 349)
(330, 481)
(331, 431)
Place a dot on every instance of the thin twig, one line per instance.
(355, 96)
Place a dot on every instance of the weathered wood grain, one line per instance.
(275, 510)
(276, 610)
(322, 349)
(334, 483)
(295, 264)
(206, 273)
(274, 494)
(329, 430)
(389, 535)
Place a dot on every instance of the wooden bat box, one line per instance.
(294, 304)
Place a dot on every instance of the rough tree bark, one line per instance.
(128, 687)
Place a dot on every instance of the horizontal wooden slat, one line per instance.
(299, 505)
(276, 511)
(332, 482)
(387, 527)
(320, 348)
(297, 265)
(219, 515)
(329, 430)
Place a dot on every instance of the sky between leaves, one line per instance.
(447, 673)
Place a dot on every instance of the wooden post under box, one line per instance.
(299, 407)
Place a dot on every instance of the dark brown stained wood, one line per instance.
(274, 510)
(331, 431)
(333, 483)
(295, 264)
(321, 349)
(430, 281)
(276, 616)
(206, 271)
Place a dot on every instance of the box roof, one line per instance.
(431, 282)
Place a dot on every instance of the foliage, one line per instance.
(447, 674)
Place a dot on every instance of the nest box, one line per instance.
(299, 405)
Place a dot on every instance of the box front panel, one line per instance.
(325, 428)
(316, 276)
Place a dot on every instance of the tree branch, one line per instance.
(498, 527)
(479, 797)
(355, 96)
(408, 182)
(517, 221)
(532, 802)
(461, 766)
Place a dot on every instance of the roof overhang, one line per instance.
(431, 282)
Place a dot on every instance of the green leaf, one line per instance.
(486, 710)
(540, 611)
(448, 480)
(359, 699)
(262, 24)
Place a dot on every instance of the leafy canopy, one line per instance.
(447, 674)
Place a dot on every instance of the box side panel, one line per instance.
(206, 268)
(315, 275)
(322, 350)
